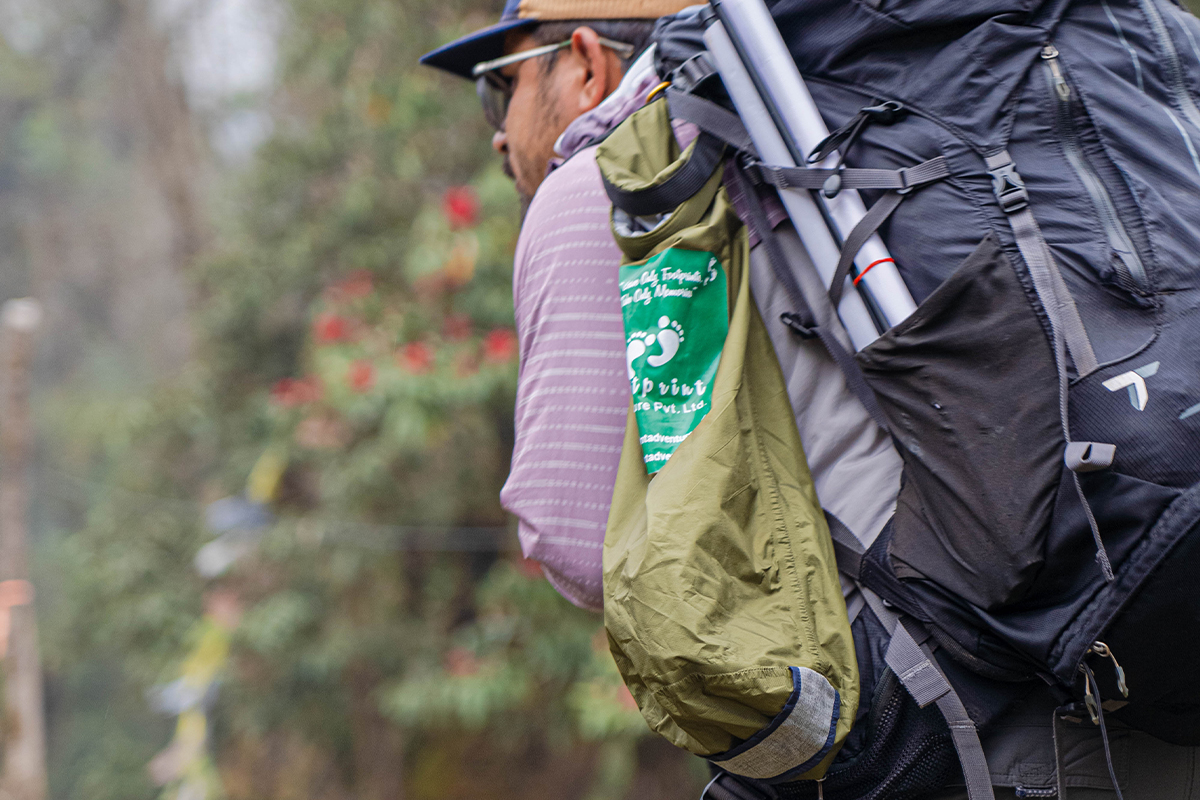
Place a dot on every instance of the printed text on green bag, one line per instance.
(676, 313)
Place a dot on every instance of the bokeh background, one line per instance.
(273, 398)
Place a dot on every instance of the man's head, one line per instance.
(545, 93)
(546, 63)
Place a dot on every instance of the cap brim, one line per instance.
(461, 55)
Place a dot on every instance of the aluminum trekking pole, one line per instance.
(785, 125)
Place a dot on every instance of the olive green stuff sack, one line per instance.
(721, 595)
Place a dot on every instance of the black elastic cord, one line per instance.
(844, 137)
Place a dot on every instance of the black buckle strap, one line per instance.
(693, 72)
(710, 117)
(1009, 188)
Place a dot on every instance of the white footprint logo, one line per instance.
(635, 349)
(669, 339)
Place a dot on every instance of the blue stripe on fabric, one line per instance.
(792, 774)
(780, 718)
(1137, 64)
(1187, 140)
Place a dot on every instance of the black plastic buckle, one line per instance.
(1009, 187)
(885, 113)
(800, 326)
(689, 76)
(751, 167)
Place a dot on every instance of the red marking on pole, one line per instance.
(870, 266)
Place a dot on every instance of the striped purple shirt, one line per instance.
(572, 395)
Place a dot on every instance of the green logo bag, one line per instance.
(721, 596)
(676, 313)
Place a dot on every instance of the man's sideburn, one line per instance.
(526, 161)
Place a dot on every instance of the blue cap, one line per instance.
(461, 55)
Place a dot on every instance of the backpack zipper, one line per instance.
(1129, 265)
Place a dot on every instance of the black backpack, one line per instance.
(1045, 397)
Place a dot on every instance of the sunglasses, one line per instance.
(496, 90)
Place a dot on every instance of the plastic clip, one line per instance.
(1009, 188)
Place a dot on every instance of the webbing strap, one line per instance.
(864, 230)
(1043, 271)
(710, 118)
(1066, 326)
(854, 177)
(723, 124)
(1059, 781)
(926, 683)
(803, 321)
(846, 549)
(969, 748)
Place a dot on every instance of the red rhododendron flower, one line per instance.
(292, 392)
(416, 357)
(329, 328)
(529, 568)
(461, 206)
(359, 283)
(361, 376)
(500, 345)
(456, 327)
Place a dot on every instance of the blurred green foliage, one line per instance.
(351, 320)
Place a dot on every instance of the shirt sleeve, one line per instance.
(572, 392)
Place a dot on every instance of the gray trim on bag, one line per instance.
(797, 739)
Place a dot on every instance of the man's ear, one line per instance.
(600, 69)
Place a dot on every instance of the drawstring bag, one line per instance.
(721, 595)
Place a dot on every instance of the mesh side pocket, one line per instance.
(969, 386)
(907, 754)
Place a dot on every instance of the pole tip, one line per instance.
(21, 314)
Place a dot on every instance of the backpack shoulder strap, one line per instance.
(926, 683)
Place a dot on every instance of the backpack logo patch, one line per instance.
(1135, 381)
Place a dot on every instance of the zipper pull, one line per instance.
(1104, 651)
(1089, 699)
(1050, 56)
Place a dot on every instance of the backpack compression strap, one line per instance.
(719, 123)
(1066, 327)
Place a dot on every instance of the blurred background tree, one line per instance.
(274, 397)
(275, 403)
